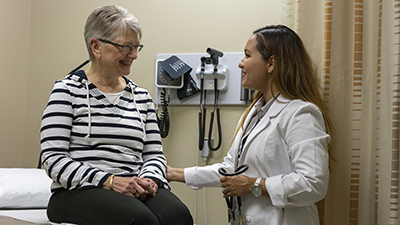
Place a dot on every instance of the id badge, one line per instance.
(239, 217)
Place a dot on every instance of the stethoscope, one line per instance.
(214, 55)
(229, 201)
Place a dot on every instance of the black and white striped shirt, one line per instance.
(85, 138)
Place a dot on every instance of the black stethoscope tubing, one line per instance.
(216, 109)
(203, 110)
(229, 201)
(78, 67)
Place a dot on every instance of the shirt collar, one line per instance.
(262, 108)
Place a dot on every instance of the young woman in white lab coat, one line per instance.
(283, 137)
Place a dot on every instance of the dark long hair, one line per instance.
(293, 74)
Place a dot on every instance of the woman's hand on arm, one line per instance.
(175, 174)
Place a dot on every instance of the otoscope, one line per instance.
(214, 59)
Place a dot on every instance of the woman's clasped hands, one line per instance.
(137, 187)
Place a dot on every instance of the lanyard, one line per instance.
(238, 218)
(244, 142)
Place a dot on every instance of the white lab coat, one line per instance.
(288, 147)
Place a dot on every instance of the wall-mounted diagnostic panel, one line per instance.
(184, 73)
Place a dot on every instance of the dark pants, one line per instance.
(97, 206)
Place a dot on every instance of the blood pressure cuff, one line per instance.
(175, 67)
(189, 87)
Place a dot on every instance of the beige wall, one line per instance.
(14, 48)
(42, 40)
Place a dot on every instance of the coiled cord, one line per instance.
(163, 121)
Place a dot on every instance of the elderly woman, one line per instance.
(99, 136)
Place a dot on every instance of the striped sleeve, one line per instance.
(55, 137)
(154, 161)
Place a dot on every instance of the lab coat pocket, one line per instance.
(269, 216)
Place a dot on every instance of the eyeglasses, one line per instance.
(124, 48)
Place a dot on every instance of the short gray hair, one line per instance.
(107, 21)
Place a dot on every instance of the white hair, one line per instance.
(108, 21)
